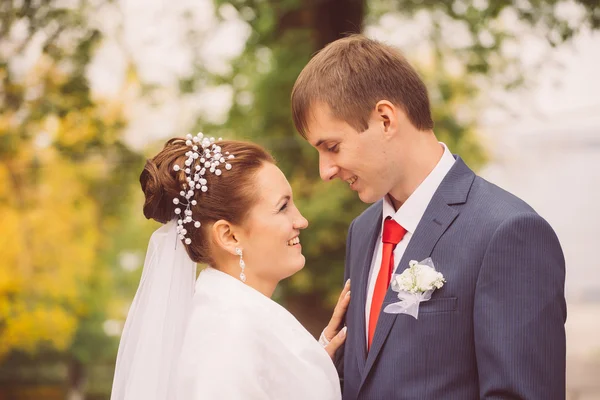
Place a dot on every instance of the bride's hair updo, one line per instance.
(229, 197)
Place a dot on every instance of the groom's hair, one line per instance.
(351, 75)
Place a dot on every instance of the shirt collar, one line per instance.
(411, 212)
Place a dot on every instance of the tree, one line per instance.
(65, 179)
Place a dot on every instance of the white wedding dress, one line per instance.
(219, 340)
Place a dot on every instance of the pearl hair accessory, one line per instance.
(204, 155)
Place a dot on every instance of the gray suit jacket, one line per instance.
(495, 330)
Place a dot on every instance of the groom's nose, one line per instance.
(327, 169)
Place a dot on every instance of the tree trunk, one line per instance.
(328, 20)
(77, 380)
(334, 19)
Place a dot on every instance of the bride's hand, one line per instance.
(333, 334)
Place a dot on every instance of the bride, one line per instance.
(224, 204)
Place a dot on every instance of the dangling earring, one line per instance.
(238, 251)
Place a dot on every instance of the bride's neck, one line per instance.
(260, 285)
(263, 287)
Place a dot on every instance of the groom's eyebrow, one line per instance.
(319, 142)
(327, 139)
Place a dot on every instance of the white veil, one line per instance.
(155, 326)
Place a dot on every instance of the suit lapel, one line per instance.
(438, 216)
(366, 253)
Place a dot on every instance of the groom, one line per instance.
(495, 329)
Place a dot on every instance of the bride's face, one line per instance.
(271, 245)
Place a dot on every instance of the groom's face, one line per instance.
(358, 158)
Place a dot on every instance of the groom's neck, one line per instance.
(415, 168)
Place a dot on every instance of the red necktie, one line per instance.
(392, 235)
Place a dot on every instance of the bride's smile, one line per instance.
(294, 242)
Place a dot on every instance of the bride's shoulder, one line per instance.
(221, 303)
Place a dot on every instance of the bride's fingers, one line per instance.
(336, 342)
(345, 290)
(339, 312)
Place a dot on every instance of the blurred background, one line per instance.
(90, 88)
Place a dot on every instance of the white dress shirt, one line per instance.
(408, 215)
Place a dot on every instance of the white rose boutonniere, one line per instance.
(414, 285)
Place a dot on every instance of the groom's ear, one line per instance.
(385, 113)
(224, 236)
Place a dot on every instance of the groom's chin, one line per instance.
(369, 197)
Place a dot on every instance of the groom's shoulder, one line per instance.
(491, 200)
